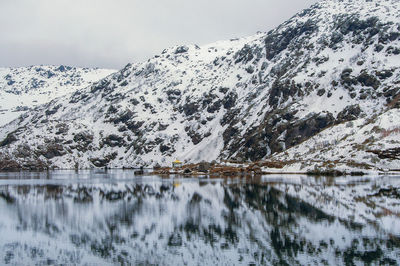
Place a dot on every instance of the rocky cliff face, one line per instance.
(242, 99)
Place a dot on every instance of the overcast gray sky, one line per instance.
(112, 33)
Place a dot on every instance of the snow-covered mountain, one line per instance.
(243, 99)
(23, 88)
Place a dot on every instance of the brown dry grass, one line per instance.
(394, 102)
(387, 132)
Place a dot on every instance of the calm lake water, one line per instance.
(113, 217)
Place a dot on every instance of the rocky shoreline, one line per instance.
(233, 169)
(314, 168)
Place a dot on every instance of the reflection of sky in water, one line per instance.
(113, 217)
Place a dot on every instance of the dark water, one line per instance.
(108, 218)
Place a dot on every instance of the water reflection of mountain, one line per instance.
(188, 223)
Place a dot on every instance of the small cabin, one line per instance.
(177, 164)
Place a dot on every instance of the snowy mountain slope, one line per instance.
(369, 144)
(241, 99)
(23, 88)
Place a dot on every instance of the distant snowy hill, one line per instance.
(242, 99)
(23, 88)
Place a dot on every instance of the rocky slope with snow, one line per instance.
(366, 144)
(243, 99)
(24, 88)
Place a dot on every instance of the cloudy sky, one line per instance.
(112, 33)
